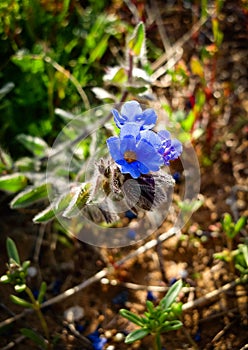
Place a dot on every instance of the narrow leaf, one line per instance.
(150, 306)
(5, 160)
(13, 183)
(34, 144)
(172, 326)
(35, 337)
(31, 195)
(137, 42)
(4, 279)
(240, 224)
(12, 250)
(21, 302)
(136, 335)
(42, 292)
(171, 295)
(226, 223)
(132, 317)
(57, 207)
(79, 200)
(45, 215)
(19, 288)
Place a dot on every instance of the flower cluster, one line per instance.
(139, 150)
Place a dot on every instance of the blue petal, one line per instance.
(130, 129)
(164, 135)
(142, 168)
(130, 109)
(118, 118)
(113, 144)
(151, 137)
(130, 168)
(177, 147)
(128, 143)
(149, 118)
(148, 156)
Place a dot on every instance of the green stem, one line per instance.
(230, 248)
(157, 341)
(36, 307)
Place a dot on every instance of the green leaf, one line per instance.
(31, 195)
(226, 223)
(136, 89)
(218, 35)
(13, 183)
(103, 94)
(171, 295)
(150, 306)
(163, 317)
(25, 265)
(171, 326)
(42, 292)
(5, 160)
(19, 288)
(244, 249)
(136, 335)
(12, 250)
(26, 164)
(188, 122)
(54, 209)
(4, 279)
(132, 317)
(45, 215)
(137, 42)
(79, 200)
(35, 337)
(99, 49)
(34, 144)
(21, 302)
(240, 224)
(28, 63)
(116, 75)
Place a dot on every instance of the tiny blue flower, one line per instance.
(97, 341)
(150, 296)
(131, 111)
(135, 151)
(171, 149)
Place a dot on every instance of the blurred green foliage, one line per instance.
(44, 43)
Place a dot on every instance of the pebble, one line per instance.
(73, 314)
(32, 271)
(119, 337)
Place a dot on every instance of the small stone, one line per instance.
(74, 314)
(108, 334)
(32, 271)
(119, 337)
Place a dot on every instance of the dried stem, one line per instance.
(75, 82)
(212, 295)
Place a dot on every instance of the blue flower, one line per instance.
(97, 341)
(136, 151)
(132, 112)
(170, 149)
